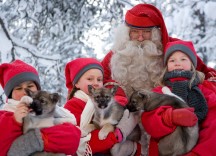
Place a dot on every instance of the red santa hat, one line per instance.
(183, 46)
(76, 68)
(145, 16)
(14, 73)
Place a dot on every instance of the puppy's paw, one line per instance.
(105, 130)
(87, 129)
(103, 134)
(26, 99)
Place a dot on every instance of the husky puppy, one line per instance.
(43, 106)
(107, 112)
(183, 139)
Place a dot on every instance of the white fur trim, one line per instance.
(167, 91)
(86, 118)
(11, 105)
(62, 115)
(84, 149)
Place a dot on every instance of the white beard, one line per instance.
(136, 65)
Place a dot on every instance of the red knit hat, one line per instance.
(183, 46)
(76, 68)
(144, 16)
(16, 72)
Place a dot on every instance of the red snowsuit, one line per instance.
(62, 138)
(76, 106)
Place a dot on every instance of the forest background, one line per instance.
(49, 33)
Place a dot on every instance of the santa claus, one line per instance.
(136, 58)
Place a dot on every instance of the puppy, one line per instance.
(43, 106)
(183, 139)
(107, 112)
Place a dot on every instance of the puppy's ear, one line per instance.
(114, 89)
(28, 92)
(90, 89)
(55, 97)
(142, 95)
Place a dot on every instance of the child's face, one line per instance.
(179, 61)
(92, 77)
(19, 91)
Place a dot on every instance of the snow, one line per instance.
(209, 9)
(47, 35)
(6, 44)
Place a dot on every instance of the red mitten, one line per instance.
(180, 117)
(121, 100)
(98, 146)
(191, 154)
(63, 138)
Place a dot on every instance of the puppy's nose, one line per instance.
(36, 106)
(131, 108)
(102, 105)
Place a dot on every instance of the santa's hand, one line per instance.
(127, 123)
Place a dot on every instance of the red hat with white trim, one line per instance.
(76, 68)
(14, 73)
(184, 46)
(146, 16)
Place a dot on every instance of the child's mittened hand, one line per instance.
(179, 117)
(21, 112)
(184, 117)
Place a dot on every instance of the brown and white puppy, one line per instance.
(43, 106)
(183, 139)
(107, 112)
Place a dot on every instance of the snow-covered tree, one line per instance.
(48, 34)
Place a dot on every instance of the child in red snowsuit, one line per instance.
(79, 74)
(64, 138)
(184, 81)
